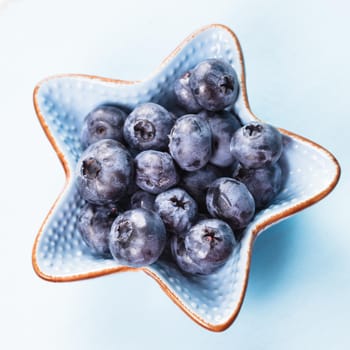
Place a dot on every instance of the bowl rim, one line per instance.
(256, 229)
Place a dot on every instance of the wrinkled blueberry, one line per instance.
(155, 171)
(214, 84)
(177, 209)
(103, 122)
(204, 248)
(94, 224)
(263, 183)
(142, 199)
(190, 142)
(184, 94)
(256, 145)
(148, 126)
(197, 182)
(137, 237)
(230, 200)
(104, 172)
(223, 125)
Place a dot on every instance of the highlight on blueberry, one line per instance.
(142, 199)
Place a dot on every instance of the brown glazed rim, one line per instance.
(258, 228)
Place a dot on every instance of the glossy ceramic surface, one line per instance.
(61, 103)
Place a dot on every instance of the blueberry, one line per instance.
(184, 94)
(177, 209)
(204, 248)
(230, 200)
(94, 224)
(142, 199)
(256, 145)
(263, 183)
(197, 182)
(104, 172)
(155, 171)
(180, 255)
(223, 125)
(137, 237)
(190, 142)
(103, 122)
(210, 242)
(148, 126)
(214, 84)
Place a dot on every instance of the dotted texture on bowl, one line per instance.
(64, 101)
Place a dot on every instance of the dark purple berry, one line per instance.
(148, 126)
(181, 257)
(223, 125)
(94, 224)
(184, 94)
(256, 145)
(214, 84)
(263, 183)
(197, 182)
(204, 248)
(142, 199)
(230, 200)
(104, 122)
(190, 142)
(155, 171)
(177, 209)
(104, 172)
(137, 238)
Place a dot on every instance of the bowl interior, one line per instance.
(62, 102)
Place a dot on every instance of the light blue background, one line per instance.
(298, 77)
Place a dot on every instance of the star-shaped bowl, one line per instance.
(61, 103)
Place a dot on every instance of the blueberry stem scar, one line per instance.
(91, 168)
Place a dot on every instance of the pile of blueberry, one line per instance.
(181, 188)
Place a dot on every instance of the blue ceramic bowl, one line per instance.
(62, 102)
